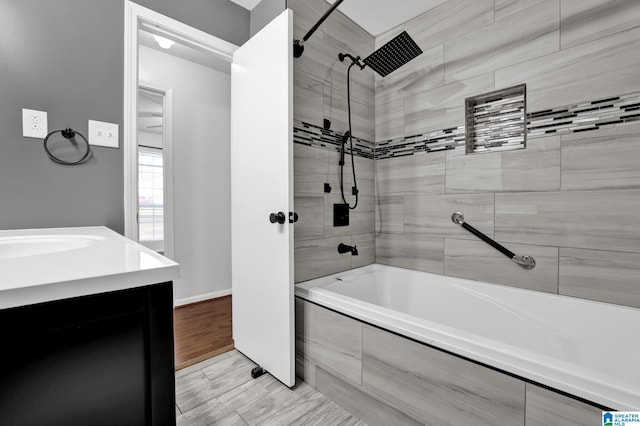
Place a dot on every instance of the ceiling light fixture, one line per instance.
(165, 43)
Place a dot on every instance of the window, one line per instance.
(150, 197)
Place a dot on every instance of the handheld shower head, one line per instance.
(345, 138)
(354, 60)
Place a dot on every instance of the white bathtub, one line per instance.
(585, 348)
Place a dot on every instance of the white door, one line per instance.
(261, 184)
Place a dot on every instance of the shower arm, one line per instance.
(526, 262)
(298, 45)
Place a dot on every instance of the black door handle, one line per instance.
(277, 217)
(293, 217)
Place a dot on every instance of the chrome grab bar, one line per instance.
(527, 262)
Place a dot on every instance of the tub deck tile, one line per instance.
(545, 407)
(438, 388)
(351, 398)
(330, 339)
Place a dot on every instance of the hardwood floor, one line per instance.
(202, 330)
(221, 391)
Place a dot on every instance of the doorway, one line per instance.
(177, 177)
(216, 142)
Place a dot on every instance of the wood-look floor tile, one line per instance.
(231, 419)
(264, 401)
(301, 399)
(191, 381)
(223, 377)
(223, 405)
(265, 407)
(317, 409)
(200, 365)
(362, 405)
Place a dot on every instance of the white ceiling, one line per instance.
(183, 51)
(378, 16)
(375, 16)
(247, 4)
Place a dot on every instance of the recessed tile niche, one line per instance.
(496, 121)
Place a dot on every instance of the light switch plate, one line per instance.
(103, 134)
(34, 123)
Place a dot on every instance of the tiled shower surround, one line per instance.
(569, 199)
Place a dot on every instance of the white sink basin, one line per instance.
(41, 265)
(34, 245)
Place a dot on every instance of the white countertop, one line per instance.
(41, 265)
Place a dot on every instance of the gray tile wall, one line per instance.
(570, 199)
(320, 92)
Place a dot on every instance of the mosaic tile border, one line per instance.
(316, 136)
(582, 117)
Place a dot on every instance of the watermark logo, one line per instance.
(621, 418)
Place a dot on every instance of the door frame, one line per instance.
(167, 161)
(135, 17)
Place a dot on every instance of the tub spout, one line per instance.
(343, 248)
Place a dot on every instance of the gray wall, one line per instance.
(264, 12)
(201, 170)
(75, 73)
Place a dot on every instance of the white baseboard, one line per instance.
(201, 297)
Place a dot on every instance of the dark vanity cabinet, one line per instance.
(103, 359)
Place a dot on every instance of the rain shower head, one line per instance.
(397, 52)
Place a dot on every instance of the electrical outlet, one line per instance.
(103, 134)
(34, 123)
